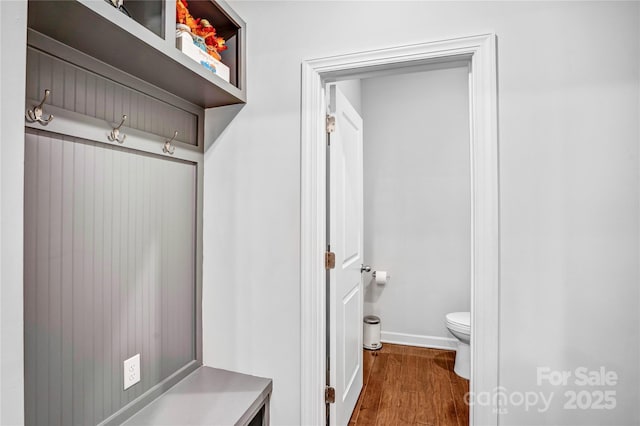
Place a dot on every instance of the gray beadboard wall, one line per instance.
(79, 90)
(109, 273)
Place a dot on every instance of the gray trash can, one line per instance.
(371, 334)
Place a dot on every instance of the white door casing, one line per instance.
(346, 241)
(480, 51)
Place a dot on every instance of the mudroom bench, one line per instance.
(210, 396)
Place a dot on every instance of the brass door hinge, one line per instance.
(329, 395)
(331, 123)
(329, 260)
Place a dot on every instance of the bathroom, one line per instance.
(416, 209)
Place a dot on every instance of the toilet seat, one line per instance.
(459, 321)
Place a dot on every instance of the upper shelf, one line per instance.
(98, 29)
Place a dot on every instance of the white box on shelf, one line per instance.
(185, 43)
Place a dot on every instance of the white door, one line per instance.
(345, 239)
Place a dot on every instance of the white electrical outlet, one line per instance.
(131, 371)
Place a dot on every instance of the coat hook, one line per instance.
(115, 133)
(168, 148)
(35, 114)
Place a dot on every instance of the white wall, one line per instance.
(13, 34)
(568, 128)
(417, 201)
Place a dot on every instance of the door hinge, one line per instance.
(329, 395)
(331, 123)
(329, 260)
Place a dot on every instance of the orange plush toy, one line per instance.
(219, 44)
(201, 28)
(184, 17)
(208, 33)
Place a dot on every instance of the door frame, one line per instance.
(480, 51)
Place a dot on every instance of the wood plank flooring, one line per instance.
(405, 385)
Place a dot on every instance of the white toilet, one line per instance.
(459, 324)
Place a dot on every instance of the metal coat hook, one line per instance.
(35, 114)
(168, 148)
(115, 133)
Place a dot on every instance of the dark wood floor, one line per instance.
(405, 385)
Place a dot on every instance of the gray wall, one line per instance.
(109, 273)
(76, 89)
(417, 201)
(109, 251)
(568, 128)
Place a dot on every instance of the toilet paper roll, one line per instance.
(381, 277)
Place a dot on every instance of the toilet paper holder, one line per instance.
(367, 268)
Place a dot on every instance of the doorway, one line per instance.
(480, 52)
(414, 165)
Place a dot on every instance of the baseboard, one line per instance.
(433, 342)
